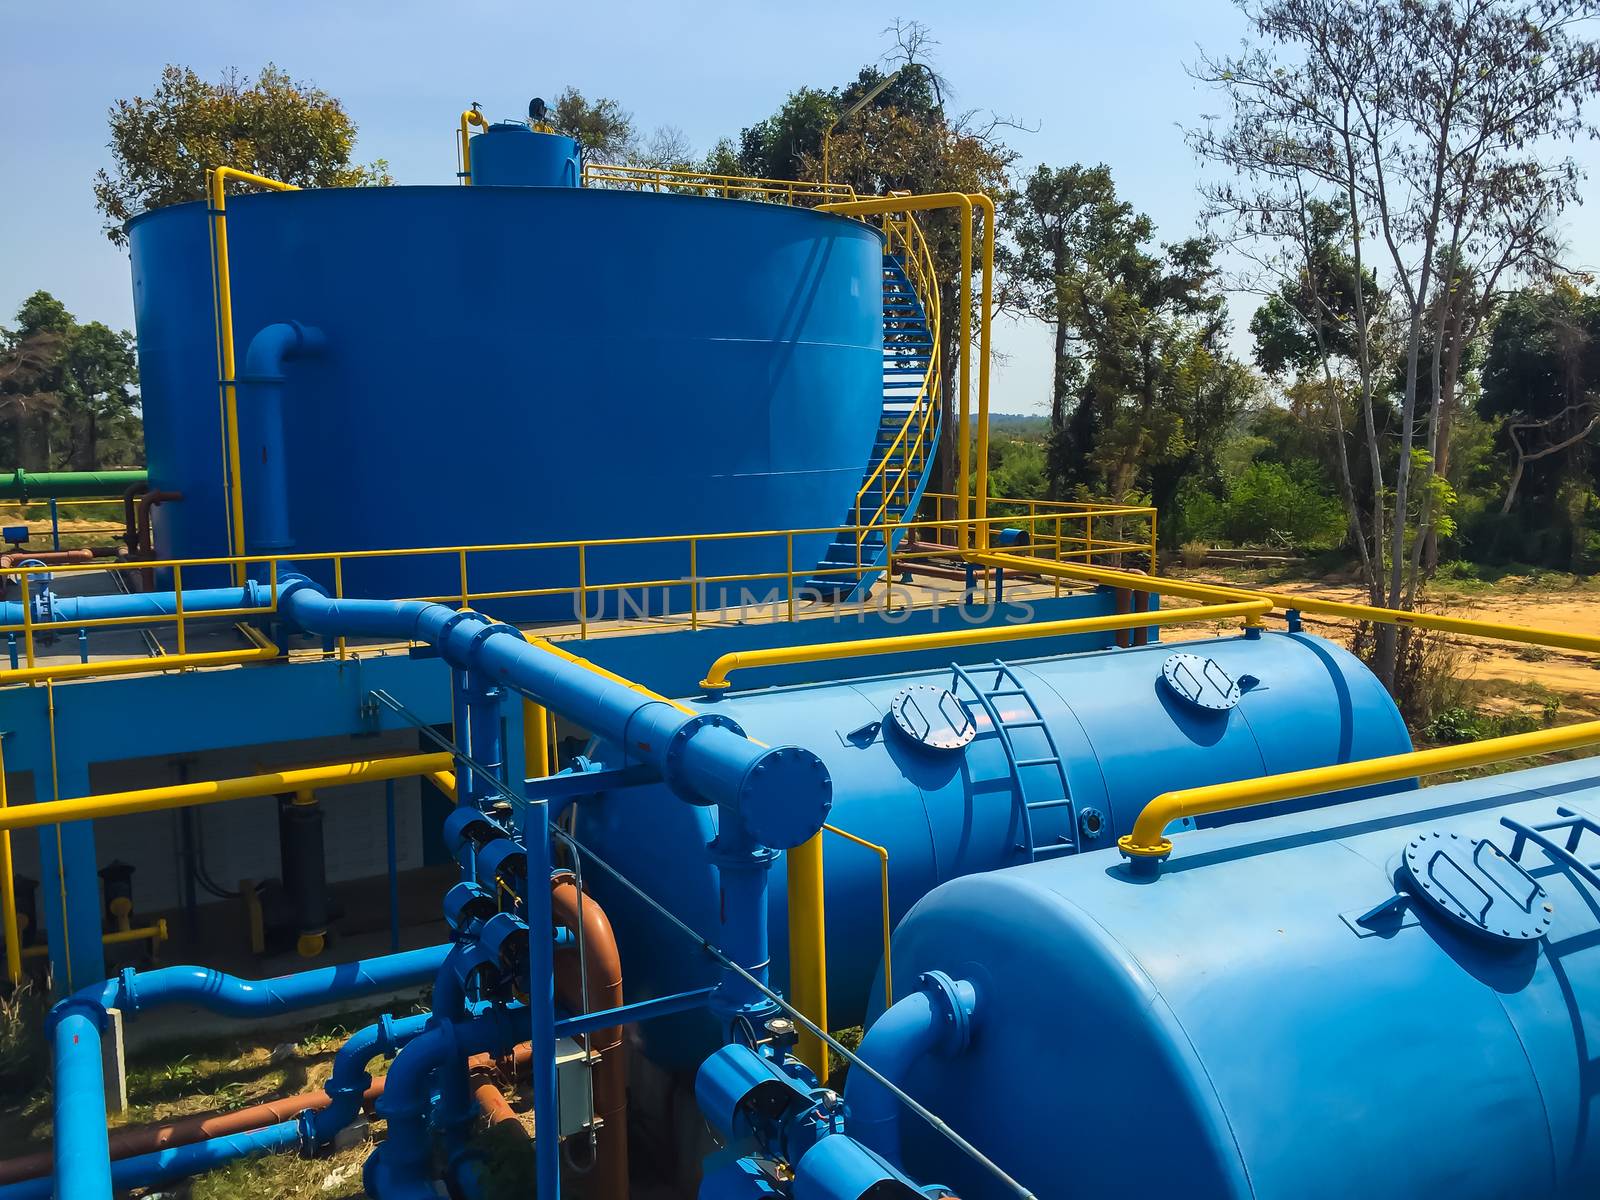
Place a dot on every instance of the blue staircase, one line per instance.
(902, 458)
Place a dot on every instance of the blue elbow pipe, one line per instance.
(935, 1019)
(82, 1151)
(401, 1168)
(350, 1078)
(262, 448)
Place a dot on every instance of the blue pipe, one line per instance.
(350, 1078)
(400, 1169)
(262, 452)
(935, 1019)
(80, 1103)
(82, 1150)
(228, 995)
(163, 1166)
(542, 999)
(48, 607)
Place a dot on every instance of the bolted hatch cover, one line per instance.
(1477, 886)
(932, 717)
(1200, 682)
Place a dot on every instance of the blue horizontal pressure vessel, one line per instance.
(520, 364)
(1105, 731)
(1392, 999)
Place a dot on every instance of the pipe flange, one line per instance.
(484, 634)
(955, 1010)
(467, 904)
(505, 860)
(680, 739)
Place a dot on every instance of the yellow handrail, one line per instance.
(888, 929)
(151, 933)
(705, 182)
(222, 296)
(1148, 840)
(1216, 593)
(716, 679)
(189, 795)
(469, 118)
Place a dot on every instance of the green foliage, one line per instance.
(602, 128)
(1460, 723)
(22, 1044)
(68, 391)
(1267, 503)
(162, 146)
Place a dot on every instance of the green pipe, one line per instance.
(68, 485)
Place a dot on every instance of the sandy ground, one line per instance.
(1575, 610)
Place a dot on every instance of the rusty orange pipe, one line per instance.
(603, 966)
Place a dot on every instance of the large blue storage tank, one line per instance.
(1121, 731)
(521, 364)
(1390, 1000)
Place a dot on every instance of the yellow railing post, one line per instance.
(8, 888)
(25, 581)
(984, 304)
(177, 607)
(808, 948)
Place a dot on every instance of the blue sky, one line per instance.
(1101, 82)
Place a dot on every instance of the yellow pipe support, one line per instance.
(1147, 841)
(963, 204)
(469, 118)
(535, 739)
(8, 888)
(808, 948)
(445, 781)
(1249, 609)
(145, 933)
(1161, 586)
(189, 795)
(137, 666)
(222, 287)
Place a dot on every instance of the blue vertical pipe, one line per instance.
(394, 866)
(83, 1160)
(70, 882)
(266, 484)
(542, 1000)
(485, 741)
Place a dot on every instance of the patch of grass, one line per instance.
(286, 1177)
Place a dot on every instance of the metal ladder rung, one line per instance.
(1061, 803)
(1038, 762)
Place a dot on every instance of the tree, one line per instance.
(1434, 125)
(602, 128)
(162, 146)
(904, 140)
(1143, 387)
(1541, 378)
(67, 391)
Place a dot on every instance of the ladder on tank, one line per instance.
(1040, 779)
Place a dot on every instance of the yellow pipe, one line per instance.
(189, 795)
(535, 739)
(1147, 839)
(469, 117)
(990, 231)
(8, 888)
(1161, 586)
(740, 660)
(808, 949)
(445, 781)
(222, 284)
(151, 933)
(137, 666)
(963, 204)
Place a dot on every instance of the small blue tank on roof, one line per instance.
(974, 768)
(509, 153)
